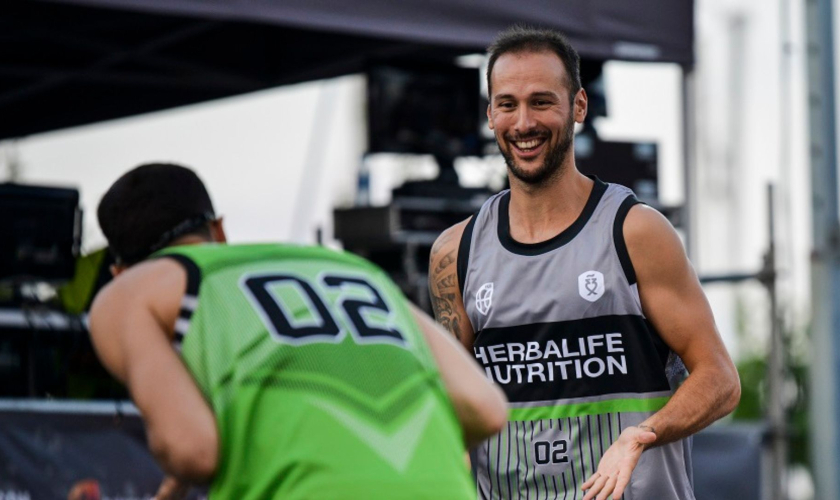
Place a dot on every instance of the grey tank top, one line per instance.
(560, 327)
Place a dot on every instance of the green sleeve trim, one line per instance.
(582, 409)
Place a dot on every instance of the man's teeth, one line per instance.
(527, 144)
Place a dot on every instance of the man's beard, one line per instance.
(552, 165)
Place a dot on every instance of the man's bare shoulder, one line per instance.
(663, 271)
(157, 285)
(143, 279)
(141, 300)
(444, 257)
(650, 236)
(449, 240)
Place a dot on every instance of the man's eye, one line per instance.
(506, 104)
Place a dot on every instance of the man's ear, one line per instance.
(117, 269)
(489, 117)
(217, 230)
(581, 105)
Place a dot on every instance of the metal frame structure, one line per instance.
(825, 260)
(775, 482)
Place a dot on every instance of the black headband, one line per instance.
(184, 227)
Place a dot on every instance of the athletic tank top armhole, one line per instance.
(618, 238)
(190, 299)
(464, 252)
(192, 269)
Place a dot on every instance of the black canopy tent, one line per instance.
(70, 62)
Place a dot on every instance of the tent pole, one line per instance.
(776, 408)
(825, 260)
(689, 119)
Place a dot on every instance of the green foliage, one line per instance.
(753, 372)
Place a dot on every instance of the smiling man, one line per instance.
(580, 303)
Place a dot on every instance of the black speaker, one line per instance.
(40, 232)
(631, 164)
(423, 108)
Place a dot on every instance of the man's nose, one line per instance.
(524, 120)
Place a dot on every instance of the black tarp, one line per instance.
(71, 62)
(49, 449)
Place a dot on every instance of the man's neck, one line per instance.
(540, 213)
(189, 239)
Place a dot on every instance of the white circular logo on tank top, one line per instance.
(591, 285)
(484, 298)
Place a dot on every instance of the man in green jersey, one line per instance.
(278, 371)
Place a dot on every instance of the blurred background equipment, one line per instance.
(420, 108)
(46, 288)
(423, 108)
(41, 230)
(631, 164)
(45, 349)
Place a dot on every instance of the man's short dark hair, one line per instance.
(519, 39)
(151, 206)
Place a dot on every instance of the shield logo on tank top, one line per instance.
(484, 298)
(591, 285)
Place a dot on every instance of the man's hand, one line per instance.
(172, 489)
(617, 464)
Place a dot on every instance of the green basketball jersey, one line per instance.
(321, 382)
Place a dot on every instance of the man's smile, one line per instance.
(528, 148)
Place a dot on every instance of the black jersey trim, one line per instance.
(565, 236)
(193, 282)
(464, 253)
(192, 269)
(618, 238)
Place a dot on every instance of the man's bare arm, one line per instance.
(445, 293)
(480, 405)
(675, 304)
(131, 325)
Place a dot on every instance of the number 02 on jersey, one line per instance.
(298, 310)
